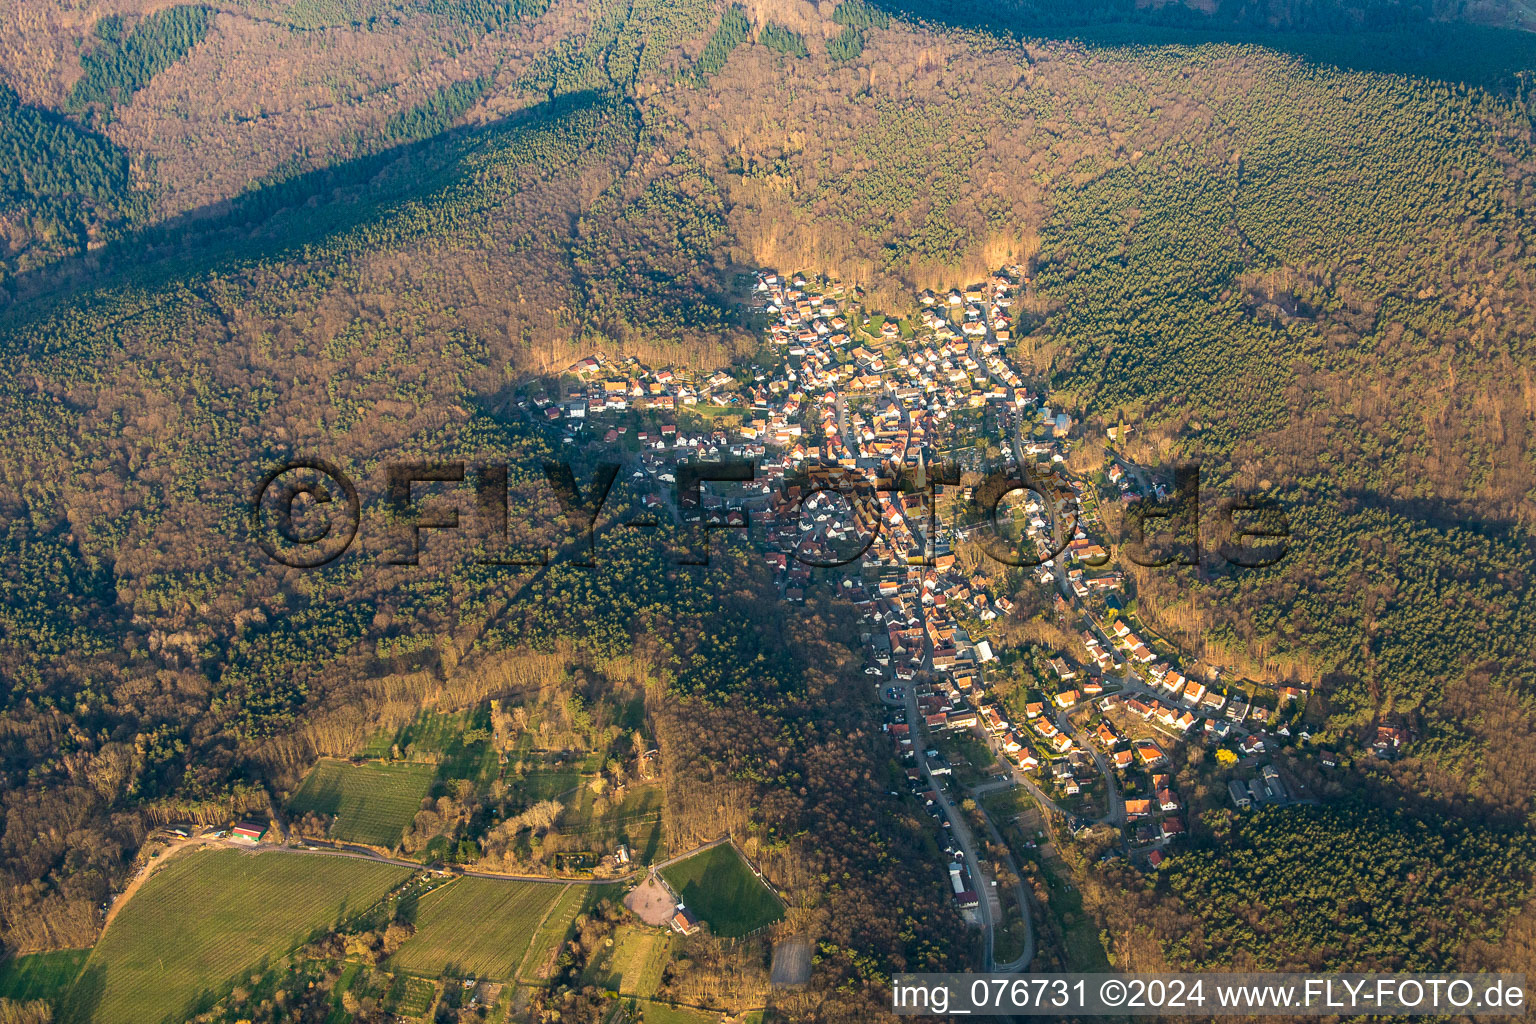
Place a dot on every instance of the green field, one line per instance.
(209, 917)
(545, 783)
(372, 802)
(476, 927)
(1084, 952)
(460, 740)
(666, 1013)
(719, 887)
(456, 743)
(378, 746)
(44, 976)
(410, 997)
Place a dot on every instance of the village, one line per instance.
(851, 427)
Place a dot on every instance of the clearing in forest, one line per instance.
(720, 889)
(371, 802)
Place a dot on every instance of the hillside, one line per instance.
(1288, 241)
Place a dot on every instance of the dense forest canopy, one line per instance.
(236, 234)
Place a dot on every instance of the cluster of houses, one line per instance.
(1265, 788)
(1157, 818)
(855, 404)
(900, 731)
(795, 419)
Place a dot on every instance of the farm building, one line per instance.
(248, 832)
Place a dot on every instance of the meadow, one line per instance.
(482, 928)
(45, 976)
(371, 802)
(720, 889)
(458, 740)
(545, 783)
(665, 1013)
(210, 917)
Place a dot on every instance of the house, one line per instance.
(1172, 827)
(1123, 759)
(962, 719)
(683, 921)
(1166, 800)
(1066, 698)
(1390, 738)
(1155, 858)
(1140, 808)
(1150, 753)
(1239, 794)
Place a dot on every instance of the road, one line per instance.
(1114, 801)
(962, 833)
(1021, 896)
(1047, 500)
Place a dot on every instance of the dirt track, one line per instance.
(150, 867)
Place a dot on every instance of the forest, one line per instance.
(1314, 277)
(62, 186)
(123, 60)
(1346, 886)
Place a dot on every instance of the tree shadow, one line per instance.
(408, 907)
(84, 996)
(1357, 35)
(276, 219)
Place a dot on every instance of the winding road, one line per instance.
(962, 833)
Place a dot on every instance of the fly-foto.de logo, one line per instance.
(307, 512)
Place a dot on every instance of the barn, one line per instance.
(248, 832)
